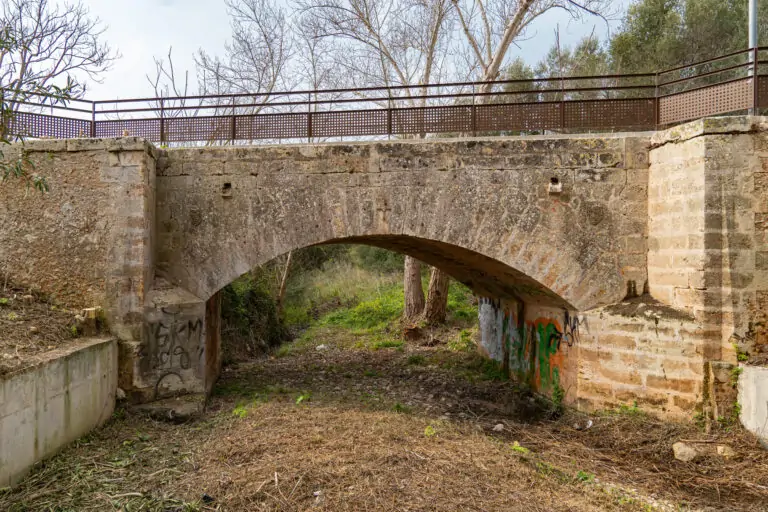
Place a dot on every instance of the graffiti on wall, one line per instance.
(533, 349)
(174, 343)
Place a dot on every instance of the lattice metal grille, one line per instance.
(628, 113)
(182, 129)
(28, 124)
(432, 119)
(762, 91)
(711, 100)
(521, 116)
(146, 128)
(352, 122)
(271, 126)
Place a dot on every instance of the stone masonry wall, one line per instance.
(88, 241)
(480, 209)
(707, 228)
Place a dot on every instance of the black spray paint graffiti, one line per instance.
(570, 333)
(171, 339)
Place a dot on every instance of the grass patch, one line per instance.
(402, 409)
(416, 360)
(378, 345)
(338, 285)
(370, 315)
(461, 304)
(463, 342)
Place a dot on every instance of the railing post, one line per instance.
(93, 119)
(162, 121)
(233, 122)
(755, 82)
(562, 103)
(309, 118)
(389, 113)
(656, 102)
(474, 113)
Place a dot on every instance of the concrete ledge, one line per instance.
(48, 405)
(753, 398)
(87, 144)
(709, 126)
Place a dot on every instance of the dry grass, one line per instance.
(30, 325)
(389, 429)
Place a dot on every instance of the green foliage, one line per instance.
(736, 412)
(375, 259)
(13, 317)
(519, 449)
(735, 372)
(585, 477)
(463, 342)
(240, 411)
(630, 410)
(249, 316)
(416, 360)
(430, 431)
(741, 356)
(4, 301)
(378, 345)
(304, 397)
(461, 306)
(401, 409)
(558, 396)
(370, 315)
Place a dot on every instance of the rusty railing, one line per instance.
(726, 84)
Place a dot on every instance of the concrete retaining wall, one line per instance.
(753, 397)
(47, 406)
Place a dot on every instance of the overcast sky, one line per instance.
(142, 29)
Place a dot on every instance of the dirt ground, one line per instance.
(30, 325)
(367, 425)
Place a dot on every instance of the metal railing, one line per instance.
(725, 84)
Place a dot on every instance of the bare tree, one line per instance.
(53, 43)
(490, 27)
(384, 43)
(168, 83)
(257, 56)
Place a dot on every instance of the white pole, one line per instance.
(753, 23)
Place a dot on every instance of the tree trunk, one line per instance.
(437, 297)
(414, 293)
(283, 282)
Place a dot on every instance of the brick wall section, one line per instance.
(655, 361)
(87, 242)
(707, 195)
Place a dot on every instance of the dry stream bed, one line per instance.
(368, 424)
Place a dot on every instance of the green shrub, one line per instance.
(249, 319)
(375, 259)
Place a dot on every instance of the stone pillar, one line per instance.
(212, 341)
(707, 228)
(169, 359)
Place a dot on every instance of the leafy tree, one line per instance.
(659, 34)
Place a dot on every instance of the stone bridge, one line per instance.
(555, 233)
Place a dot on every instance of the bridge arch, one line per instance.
(481, 210)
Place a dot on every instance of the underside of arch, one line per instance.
(485, 276)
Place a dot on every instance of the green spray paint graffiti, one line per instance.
(533, 349)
